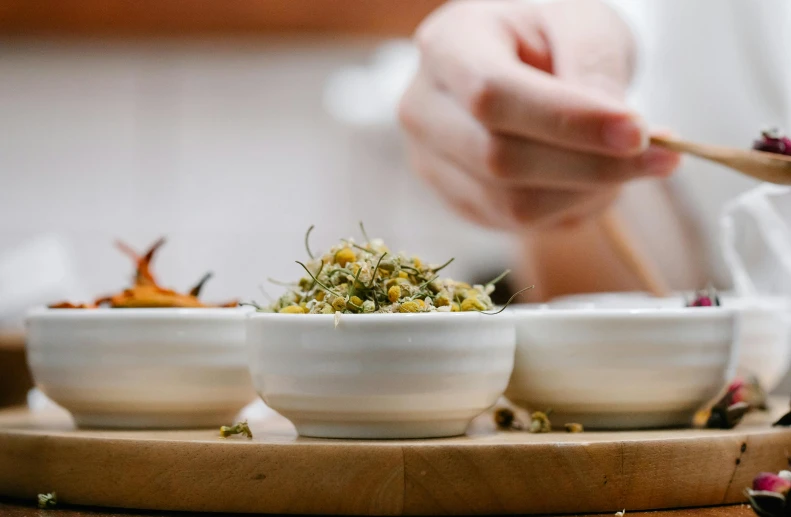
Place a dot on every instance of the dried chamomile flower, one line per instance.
(240, 428)
(539, 422)
(47, 500)
(574, 428)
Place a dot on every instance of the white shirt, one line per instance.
(714, 71)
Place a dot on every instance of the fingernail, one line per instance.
(625, 135)
(660, 162)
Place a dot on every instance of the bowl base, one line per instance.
(170, 420)
(381, 430)
(624, 420)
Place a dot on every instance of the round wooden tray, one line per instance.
(485, 472)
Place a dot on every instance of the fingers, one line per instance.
(505, 207)
(480, 65)
(441, 124)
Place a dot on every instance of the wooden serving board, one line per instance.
(485, 472)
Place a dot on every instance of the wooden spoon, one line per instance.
(623, 245)
(770, 167)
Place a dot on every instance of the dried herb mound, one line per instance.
(353, 278)
(146, 291)
(769, 495)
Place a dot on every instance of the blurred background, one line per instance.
(227, 127)
(230, 127)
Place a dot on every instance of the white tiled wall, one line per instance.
(224, 147)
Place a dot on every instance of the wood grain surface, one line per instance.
(11, 508)
(15, 378)
(485, 472)
(166, 18)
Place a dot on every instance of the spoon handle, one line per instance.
(770, 167)
(627, 251)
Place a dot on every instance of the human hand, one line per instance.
(516, 115)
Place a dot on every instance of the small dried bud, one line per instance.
(292, 309)
(47, 500)
(504, 418)
(574, 428)
(240, 428)
(344, 256)
(394, 293)
(472, 304)
(539, 423)
(339, 304)
(769, 482)
(409, 307)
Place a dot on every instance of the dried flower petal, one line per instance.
(766, 504)
(769, 482)
(240, 428)
(47, 500)
(727, 418)
(504, 418)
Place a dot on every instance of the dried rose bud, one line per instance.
(704, 298)
(769, 482)
(727, 417)
(748, 390)
(767, 504)
(504, 418)
(773, 141)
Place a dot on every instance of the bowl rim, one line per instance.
(546, 311)
(108, 313)
(379, 317)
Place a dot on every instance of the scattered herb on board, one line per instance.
(146, 291)
(47, 500)
(352, 278)
(743, 395)
(240, 428)
(539, 422)
(769, 493)
(505, 418)
(773, 141)
(784, 421)
(621, 513)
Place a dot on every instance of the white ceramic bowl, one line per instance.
(380, 375)
(764, 330)
(142, 368)
(622, 368)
